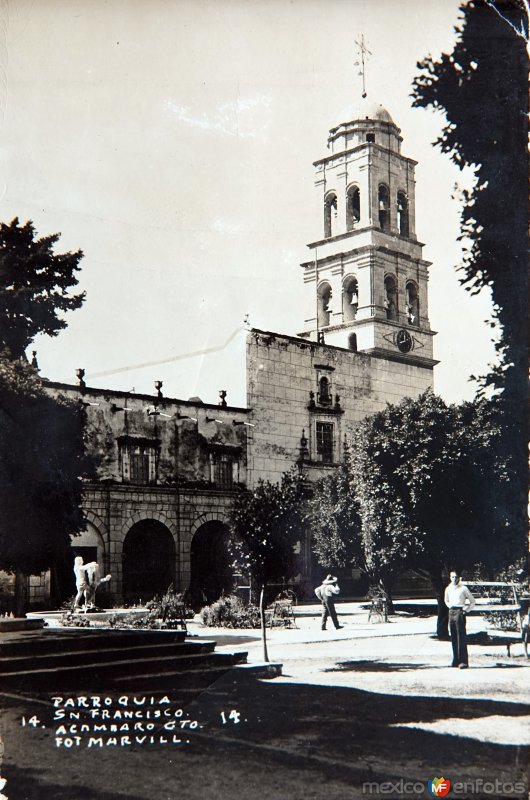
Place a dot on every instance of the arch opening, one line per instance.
(148, 561)
(324, 309)
(350, 299)
(211, 564)
(391, 304)
(353, 207)
(403, 213)
(384, 207)
(352, 342)
(413, 303)
(330, 214)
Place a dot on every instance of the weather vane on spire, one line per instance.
(363, 57)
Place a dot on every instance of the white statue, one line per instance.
(87, 579)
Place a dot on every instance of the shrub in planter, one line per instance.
(168, 607)
(502, 620)
(230, 612)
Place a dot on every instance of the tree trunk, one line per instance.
(438, 584)
(21, 584)
(263, 623)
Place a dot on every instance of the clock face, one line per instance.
(404, 341)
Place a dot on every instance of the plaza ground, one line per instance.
(371, 703)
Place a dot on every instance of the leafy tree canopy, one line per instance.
(35, 286)
(267, 524)
(423, 485)
(482, 89)
(41, 461)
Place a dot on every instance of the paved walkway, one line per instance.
(368, 703)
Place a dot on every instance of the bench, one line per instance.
(281, 613)
(378, 609)
(497, 596)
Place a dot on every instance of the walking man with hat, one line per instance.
(326, 594)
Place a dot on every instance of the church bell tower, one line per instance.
(366, 283)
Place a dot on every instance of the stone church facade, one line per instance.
(167, 470)
(367, 339)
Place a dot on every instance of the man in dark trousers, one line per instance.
(458, 600)
(325, 593)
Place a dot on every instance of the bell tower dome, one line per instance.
(366, 284)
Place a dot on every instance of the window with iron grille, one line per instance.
(139, 467)
(324, 431)
(138, 461)
(222, 469)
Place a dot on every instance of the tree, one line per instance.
(42, 457)
(35, 286)
(424, 487)
(346, 530)
(267, 523)
(482, 88)
(332, 514)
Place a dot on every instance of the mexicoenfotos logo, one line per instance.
(439, 787)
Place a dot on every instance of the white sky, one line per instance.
(173, 140)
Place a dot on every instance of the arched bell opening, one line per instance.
(330, 214)
(390, 300)
(350, 299)
(324, 300)
(403, 214)
(384, 207)
(412, 303)
(353, 207)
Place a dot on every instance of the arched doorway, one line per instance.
(211, 563)
(89, 544)
(148, 561)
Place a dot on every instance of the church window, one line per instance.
(353, 207)
(370, 137)
(324, 300)
(403, 213)
(390, 299)
(324, 394)
(384, 207)
(330, 214)
(350, 299)
(324, 437)
(412, 303)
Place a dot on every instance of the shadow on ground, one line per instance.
(373, 665)
(282, 740)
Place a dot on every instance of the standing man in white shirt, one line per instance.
(458, 600)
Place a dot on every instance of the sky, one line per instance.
(172, 141)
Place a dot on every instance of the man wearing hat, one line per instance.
(325, 593)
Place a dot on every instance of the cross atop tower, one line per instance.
(363, 57)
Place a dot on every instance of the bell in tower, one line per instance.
(366, 251)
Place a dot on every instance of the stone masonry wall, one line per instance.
(282, 371)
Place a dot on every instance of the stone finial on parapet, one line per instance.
(80, 375)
